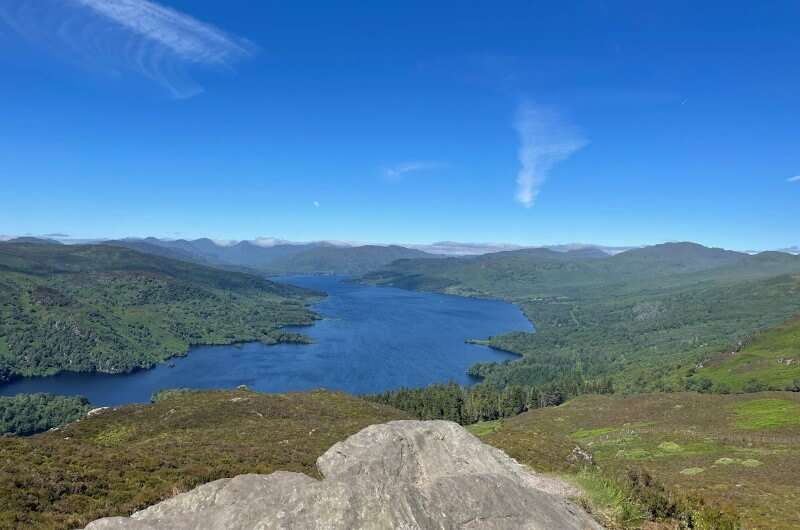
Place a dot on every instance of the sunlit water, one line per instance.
(369, 340)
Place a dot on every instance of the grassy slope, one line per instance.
(638, 313)
(771, 358)
(737, 452)
(125, 459)
(111, 309)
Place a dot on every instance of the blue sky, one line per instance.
(524, 122)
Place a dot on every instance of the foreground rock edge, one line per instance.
(402, 474)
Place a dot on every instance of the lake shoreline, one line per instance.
(365, 340)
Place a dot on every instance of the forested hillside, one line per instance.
(637, 316)
(342, 260)
(25, 414)
(112, 309)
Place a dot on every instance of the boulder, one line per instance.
(402, 474)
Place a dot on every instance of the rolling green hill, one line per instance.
(638, 315)
(768, 360)
(670, 453)
(125, 459)
(111, 309)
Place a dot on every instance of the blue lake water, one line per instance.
(369, 340)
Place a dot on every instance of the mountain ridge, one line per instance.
(660, 308)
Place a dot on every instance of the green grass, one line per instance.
(591, 433)
(770, 358)
(670, 447)
(125, 459)
(607, 501)
(750, 462)
(740, 454)
(767, 414)
(482, 428)
(115, 436)
(636, 448)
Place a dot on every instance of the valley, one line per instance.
(644, 316)
(661, 381)
(399, 266)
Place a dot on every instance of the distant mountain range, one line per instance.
(343, 260)
(446, 248)
(29, 239)
(276, 256)
(533, 274)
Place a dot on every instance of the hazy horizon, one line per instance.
(434, 247)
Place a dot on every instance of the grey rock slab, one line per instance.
(403, 474)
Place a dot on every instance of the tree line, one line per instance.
(482, 402)
(26, 414)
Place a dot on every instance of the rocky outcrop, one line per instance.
(402, 474)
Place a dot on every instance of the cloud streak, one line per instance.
(796, 178)
(186, 37)
(545, 140)
(141, 36)
(397, 172)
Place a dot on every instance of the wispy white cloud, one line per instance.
(185, 36)
(396, 172)
(225, 242)
(268, 241)
(316, 204)
(142, 36)
(545, 140)
(796, 178)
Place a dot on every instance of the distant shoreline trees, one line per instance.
(483, 402)
(26, 414)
